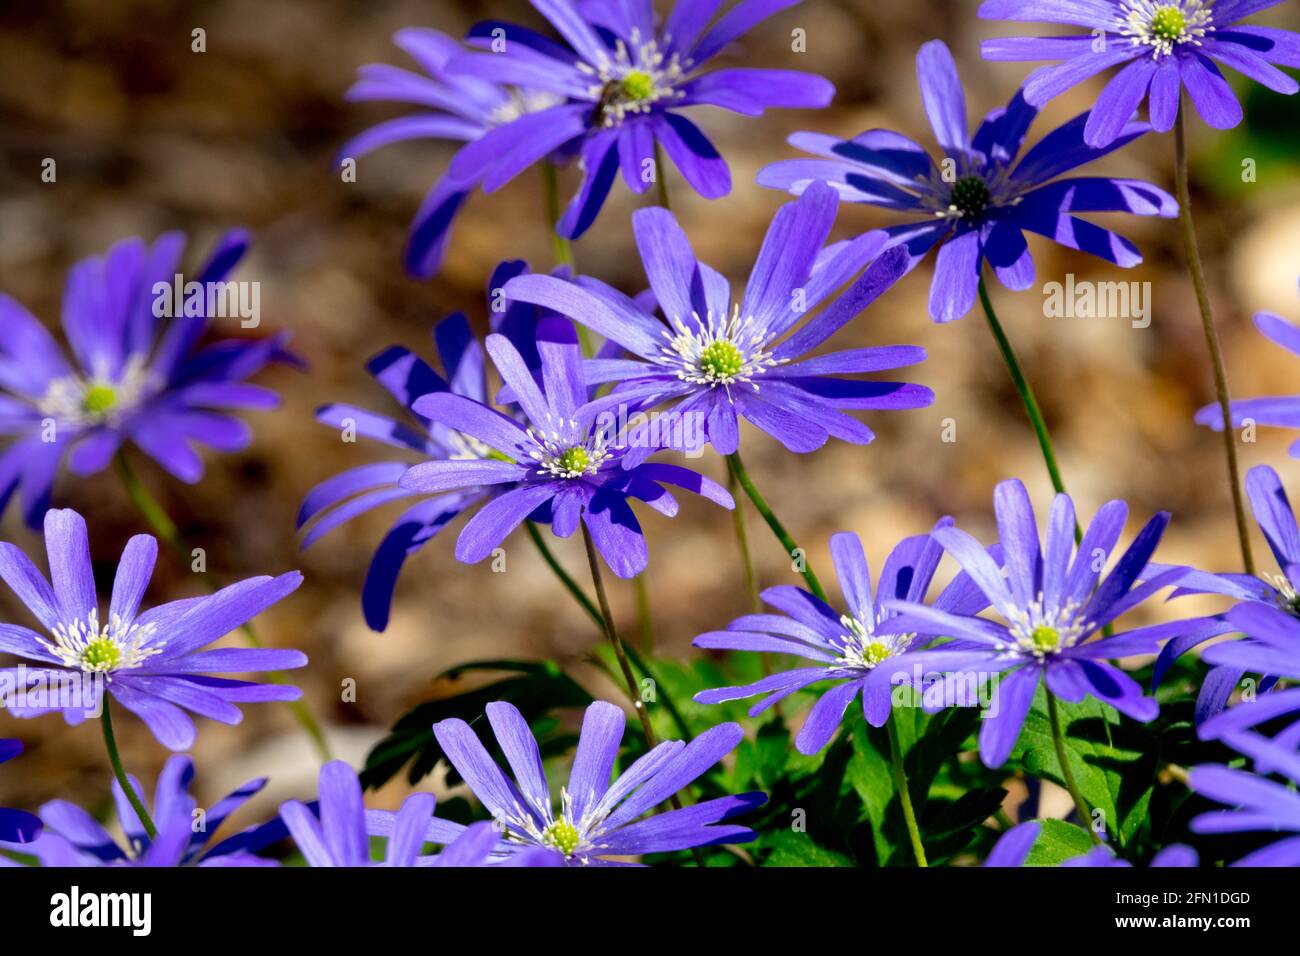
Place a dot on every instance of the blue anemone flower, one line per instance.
(978, 203)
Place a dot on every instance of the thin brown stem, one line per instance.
(1224, 396)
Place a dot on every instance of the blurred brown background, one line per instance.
(150, 136)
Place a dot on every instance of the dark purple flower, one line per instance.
(860, 650)
(1281, 411)
(1166, 46)
(453, 106)
(336, 831)
(153, 662)
(1259, 804)
(723, 358)
(596, 819)
(1277, 609)
(406, 377)
(979, 198)
(621, 82)
(16, 826)
(563, 465)
(1012, 849)
(74, 838)
(135, 377)
(1051, 607)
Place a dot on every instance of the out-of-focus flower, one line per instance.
(138, 374)
(620, 83)
(74, 838)
(1282, 411)
(16, 826)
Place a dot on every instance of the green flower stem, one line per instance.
(645, 624)
(1024, 390)
(904, 794)
(157, 518)
(634, 693)
(611, 632)
(1194, 266)
(742, 539)
(1072, 785)
(661, 176)
(742, 477)
(586, 604)
(564, 577)
(560, 246)
(114, 758)
(666, 699)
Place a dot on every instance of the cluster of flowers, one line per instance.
(554, 446)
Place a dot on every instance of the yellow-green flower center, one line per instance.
(99, 399)
(1046, 638)
(637, 85)
(101, 654)
(575, 461)
(562, 835)
(721, 360)
(1168, 23)
(875, 652)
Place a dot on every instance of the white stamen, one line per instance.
(84, 645)
(1138, 22)
(685, 350)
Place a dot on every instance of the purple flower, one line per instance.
(979, 199)
(620, 82)
(453, 106)
(16, 826)
(153, 662)
(1166, 46)
(407, 377)
(596, 819)
(1269, 613)
(1012, 849)
(722, 358)
(134, 376)
(566, 464)
(1258, 803)
(336, 831)
(1050, 607)
(74, 838)
(1282, 411)
(847, 648)
(1271, 647)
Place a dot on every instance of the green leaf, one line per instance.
(950, 826)
(535, 687)
(1057, 842)
(871, 776)
(1114, 760)
(789, 848)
